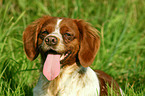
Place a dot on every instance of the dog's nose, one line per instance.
(51, 40)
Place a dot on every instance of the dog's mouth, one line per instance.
(63, 56)
(51, 68)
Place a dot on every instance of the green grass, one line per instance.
(122, 30)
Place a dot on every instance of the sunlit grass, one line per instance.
(121, 26)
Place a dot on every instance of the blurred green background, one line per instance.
(122, 30)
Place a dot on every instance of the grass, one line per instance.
(122, 31)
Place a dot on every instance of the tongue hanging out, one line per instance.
(51, 68)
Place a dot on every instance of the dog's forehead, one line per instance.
(61, 21)
(57, 22)
(68, 22)
(69, 25)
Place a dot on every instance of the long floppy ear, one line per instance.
(30, 36)
(89, 43)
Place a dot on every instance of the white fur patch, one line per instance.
(78, 85)
(69, 83)
(57, 28)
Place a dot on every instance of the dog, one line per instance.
(67, 48)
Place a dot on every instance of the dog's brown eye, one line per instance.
(43, 34)
(46, 32)
(67, 34)
(68, 37)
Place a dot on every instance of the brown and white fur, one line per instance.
(77, 43)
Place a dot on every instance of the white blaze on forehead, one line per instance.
(58, 23)
(57, 28)
(56, 31)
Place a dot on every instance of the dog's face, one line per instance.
(59, 36)
(61, 40)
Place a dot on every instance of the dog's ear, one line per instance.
(30, 36)
(89, 43)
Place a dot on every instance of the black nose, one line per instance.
(51, 40)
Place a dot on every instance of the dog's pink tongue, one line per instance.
(51, 66)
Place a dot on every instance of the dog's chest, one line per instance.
(69, 83)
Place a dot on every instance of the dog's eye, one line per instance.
(68, 37)
(67, 34)
(46, 32)
(43, 34)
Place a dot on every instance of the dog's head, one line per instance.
(60, 41)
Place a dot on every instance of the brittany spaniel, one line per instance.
(67, 48)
